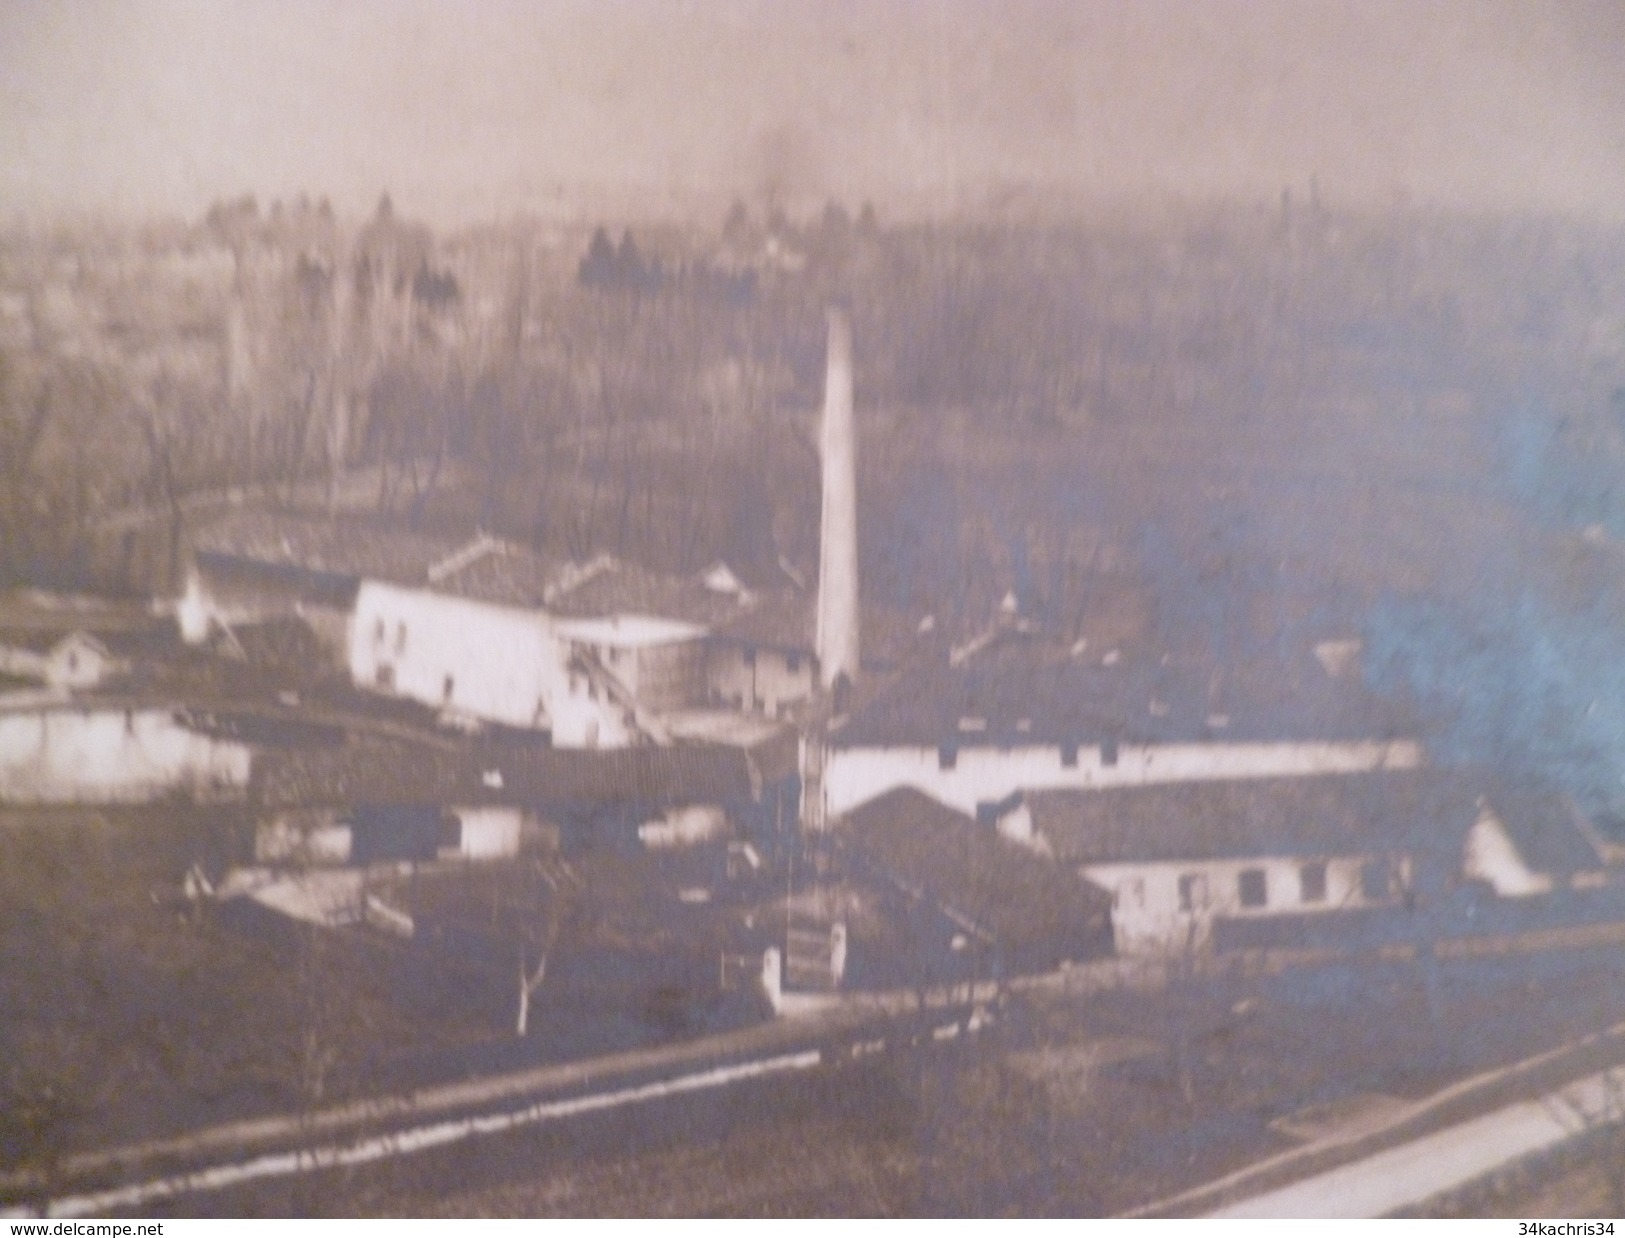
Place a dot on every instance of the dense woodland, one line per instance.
(1280, 422)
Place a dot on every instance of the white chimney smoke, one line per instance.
(838, 531)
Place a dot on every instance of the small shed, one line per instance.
(77, 661)
(71, 662)
(1034, 912)
(1531, 839)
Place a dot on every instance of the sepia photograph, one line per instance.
(812, 609)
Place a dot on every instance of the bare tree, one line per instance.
(529, 909)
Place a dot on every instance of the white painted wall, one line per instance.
(1017, 826)
(75, 756)
(209, 600)
(684, 827)
(1147, 917)
(194, 610)
(22, 663)
(761, 680)
(854, 776)
(1490, 855)
(77, 662)
(488, 833)
(303, 840)
(495, 663)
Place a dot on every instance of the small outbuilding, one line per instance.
(1031, 912)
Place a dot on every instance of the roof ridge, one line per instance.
(574, 575)
(466, 556)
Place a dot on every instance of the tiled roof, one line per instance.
(1324, 815)
(504, 574)
(1019, 688)
(618, 588)
(122, 628)
(782, 619)
(346, 546)
(482, 568)
(1545, 826)
(490, 570)
(42, 641)
(1019, 896)
(389, 773)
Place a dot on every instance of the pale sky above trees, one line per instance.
(482, 107)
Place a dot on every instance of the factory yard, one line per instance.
(832, 714)
(1068, 1109)
(139, 1020)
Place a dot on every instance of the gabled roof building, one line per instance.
(591, 654)
(1018, 712)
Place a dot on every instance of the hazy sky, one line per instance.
(473, 107)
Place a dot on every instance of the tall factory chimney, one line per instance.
(838, 531)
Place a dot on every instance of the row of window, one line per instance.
(1377, 881)
(740, 703)
(948, 755)
(380, 635)
(384, 677)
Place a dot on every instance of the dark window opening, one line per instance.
(1253, 887)
(841, 689)
(447, 687)
(1312, 882)
(1376, 880)
(947, 756)
(1108, 752)
(1192, 892)
(792, 663)
(385, 676)
(451, 832)
(1069, 756)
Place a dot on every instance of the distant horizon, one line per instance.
(473, 112)
(1015, 206)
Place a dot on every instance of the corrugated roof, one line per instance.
(1324, 815)
(1003, 888)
